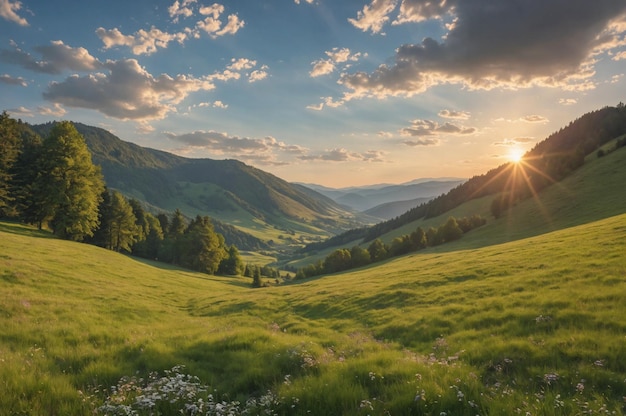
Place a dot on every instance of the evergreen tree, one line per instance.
(122, 228)
(232, 264)
(25, 172)
(69, 186)
(202, 248)
(256, 278)
(9, 148)
(149, 248)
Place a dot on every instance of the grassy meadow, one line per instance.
(535, 326)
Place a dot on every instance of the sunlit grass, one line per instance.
(514, 326)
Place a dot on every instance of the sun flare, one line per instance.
(516, 155)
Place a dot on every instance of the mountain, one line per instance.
(390, 210)
(364, 198)
(228, 191)
(549, 162)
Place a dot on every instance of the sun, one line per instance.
(516, 155)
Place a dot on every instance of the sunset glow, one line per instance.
(386, 91)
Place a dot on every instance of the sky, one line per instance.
(336, 93)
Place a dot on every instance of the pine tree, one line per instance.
(123, 229)
(9, 147)
(69, 186)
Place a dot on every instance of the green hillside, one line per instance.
(536, 325)
(228, 191)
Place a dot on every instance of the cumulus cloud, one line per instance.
(415, 11)
(374, 16)
(178, 9)
(8, 79)
(343, 155)
(568, 101)
(9, 10)
(55, 111)
(458, 115)
(20, 111)
(534, 118)
(55, 58)
(261, 151)
(258, 74)
(422, 142)
(126, 91)
(146, 42)
(506, 44)
(306, 1)
(335, 56)
(419, 128)
(142, 42)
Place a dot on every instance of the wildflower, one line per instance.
(550, 378)
(580, 387)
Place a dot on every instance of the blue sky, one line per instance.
(337, 93)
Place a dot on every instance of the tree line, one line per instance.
(550, 161)
(345, 259)
(53, 183)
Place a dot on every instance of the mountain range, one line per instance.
(386, 201)
(235, 195)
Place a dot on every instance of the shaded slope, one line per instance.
(227, 190)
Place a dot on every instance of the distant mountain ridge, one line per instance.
(548, 162)
(365, 198)
(226, 190)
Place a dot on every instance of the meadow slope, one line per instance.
(536, 325)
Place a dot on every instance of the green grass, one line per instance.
(511, 326)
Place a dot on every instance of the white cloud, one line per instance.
(322, 67)
(8, 79)
(8, 10)
(374, 16)
(126, 91)
(257, 75)
(20, 111)
(145, 42)
(534, 118)
(458, 115)
(336, 56)
(344, 155)
(141, 42)
(177, 9)
(56, 110)
(241, 64)
(56, 58)
(419, 128)
(568, 101)
(416, 11)
(306, 1)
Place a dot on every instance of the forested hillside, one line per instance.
(223, 189)
(548, 162)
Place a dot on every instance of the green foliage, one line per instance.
(68, 187)
(231, 264)
(9, 145)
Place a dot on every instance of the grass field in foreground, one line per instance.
(536, 325)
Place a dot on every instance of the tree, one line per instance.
(378, 250)
(25, 173)
(122, 227)
(451, 231)
(149, 248)
(9, 148)
(359, 256)
(202, 248)
(418, 239)
(232, 264)
(256, 278)
(69, 185)
(337, 261)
